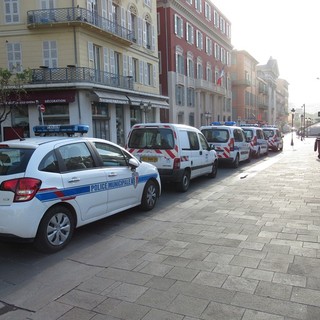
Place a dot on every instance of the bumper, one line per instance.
(170, 175)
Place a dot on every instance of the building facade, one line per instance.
(92, 62)
(195, 54)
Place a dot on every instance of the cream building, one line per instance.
(93, 62)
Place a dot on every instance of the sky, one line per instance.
(286, 30)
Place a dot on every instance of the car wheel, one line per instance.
(214, 170)
(55, 230)
(149, 196)
(184, 182)
(235, 163)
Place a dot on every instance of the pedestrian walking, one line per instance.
(317, 145)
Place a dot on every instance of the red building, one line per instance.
(194, 40)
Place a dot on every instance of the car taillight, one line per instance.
(231, 144)
(24, 189)
(176, 163)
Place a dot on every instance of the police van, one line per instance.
(180, 152)
(50, 185)
(258, 140)
(229, 141)
(275, 138)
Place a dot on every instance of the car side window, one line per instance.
(203, 142)
(238, 135)
(193, 139)
(111, 155)
(76, 156)
(49, 163)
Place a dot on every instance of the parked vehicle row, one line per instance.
(50, 185)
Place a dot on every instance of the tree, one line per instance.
(11, 90)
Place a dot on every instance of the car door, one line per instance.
(207, 155)
(83, 181)
(122, 182)
(240, 142)
(263, 143)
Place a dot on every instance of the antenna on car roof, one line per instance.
(18, 135)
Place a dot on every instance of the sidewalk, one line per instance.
(244, 249)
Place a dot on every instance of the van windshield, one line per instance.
(216, 135)
(151, 138)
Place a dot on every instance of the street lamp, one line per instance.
(302, 131)
(145, 108)
(207, 116)
(292, 117)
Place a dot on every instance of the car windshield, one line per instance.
(249, 133)
(14, 160)
(216, 135)
(151, 138)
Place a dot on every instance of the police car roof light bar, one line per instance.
(69, 129)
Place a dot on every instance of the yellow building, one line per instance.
(93, 62)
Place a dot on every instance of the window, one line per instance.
(223, 55)
(199, 40)
(208, 46)
(199, 70)
(135, 69)
(50, 54)
(111, 155)
(178, 26)
(238, 135)
(189, 33)
(190, 66)
(133, 23)
(222, 25)
(217, 51)
(49, 163)
(11, 11)
(149, 74)
(198, 5)
(179, 63)
(147, 3)
(148, 35)
(14, 57)
(179, 95)
(76, 156)
(207, 11)
(189, 1)
(216, 19)
(190, 97)
(209, 73)
(193, 139)
(204, 143)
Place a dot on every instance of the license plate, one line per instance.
(149, 159)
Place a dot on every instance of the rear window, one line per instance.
(151, 138)
(216, 135)
(269, 133)
(249, 133)
(14, 160)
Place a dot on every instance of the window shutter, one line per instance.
(125, 65)
(141, 72)
(105, 59)
(90, 51)
(144, 25)
(154, 76)
(112, 66)
(140, 31)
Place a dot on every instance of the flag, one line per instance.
(219, 81)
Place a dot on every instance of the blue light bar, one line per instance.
(230, 123)
(216, 123)
(63, 128)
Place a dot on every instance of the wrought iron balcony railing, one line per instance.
(80, 74)
(77, 15)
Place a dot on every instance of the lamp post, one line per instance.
(207, 116)
(292, 117)
(302, 130)
(145, 108)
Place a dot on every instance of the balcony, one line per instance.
(80, 75)
(241, 82)
(209, 86)
(65, 17)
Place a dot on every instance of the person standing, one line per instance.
(317, 145)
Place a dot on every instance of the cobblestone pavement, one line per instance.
(244, 249)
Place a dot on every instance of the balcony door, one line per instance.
(97, 61)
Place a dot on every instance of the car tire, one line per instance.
(184, 182)
(214, 170)
(55, 230)
(149, 196)
(235, 163)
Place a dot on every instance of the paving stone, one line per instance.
(177, 261)
(155, 314)
(251, 245)
(253, 253)
(156, 269)
(229, 270)
(240, 284)
(157, 299)
(276, 266)
(221, 311)
(290, 279)
(274, 290)
(52, 311)
(256, 315)
(257, 274)
(127, 292)
(269, 305)
(153, 257)
(96, 284)
(219, 258)
(125, 276)
(194, 254)
(210, 278)
(245, 261)
(81, 299)
(160, 283)
(304, 252)
(77, 314)
(306, 296)
(202, 265)
(189, 306)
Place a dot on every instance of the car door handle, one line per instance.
(200, 152)
(112, 174)
(74, 179)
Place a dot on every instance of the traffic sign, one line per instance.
(42, 108)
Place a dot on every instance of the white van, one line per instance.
(274, 136)
(259, 142)
(180, 152)
(229, 141)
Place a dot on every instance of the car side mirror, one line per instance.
(134, 163)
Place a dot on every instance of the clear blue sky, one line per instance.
(289, 31)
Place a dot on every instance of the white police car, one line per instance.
(51, 185)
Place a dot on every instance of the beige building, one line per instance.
(93, 62)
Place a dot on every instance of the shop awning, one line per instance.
(109, 97)
(46, 97)
(136, 101)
